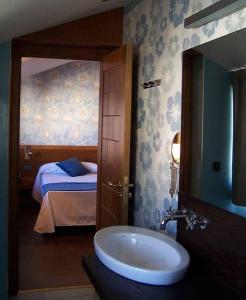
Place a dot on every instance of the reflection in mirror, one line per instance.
(217, 121)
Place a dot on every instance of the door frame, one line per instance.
(127, 68)
(26, 49)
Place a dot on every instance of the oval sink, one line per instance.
(141, 254)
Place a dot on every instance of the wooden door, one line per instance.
(114, 138)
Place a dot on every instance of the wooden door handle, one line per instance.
(130, 185)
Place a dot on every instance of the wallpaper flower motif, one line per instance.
(148, 68)
(163, 23)
(235, 21)
(157, 141)
(145, 156)
(141, 112)
(150, 192)
(156, 11)
(178, 8)
(191, 42)
(157, 215)
(167, 76)
(163, 175)
(209, 29)
(141, 30)
(138, 196)
(160, 120)
(174, 111)
(60, 106)
(159, 111)
(197, 6)
(173, 46)
(159, 46)
(149, 127)
(153, 101)
(152, 37)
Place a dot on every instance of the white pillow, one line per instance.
(90, 166)
(51, 168)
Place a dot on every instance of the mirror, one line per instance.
(213, 164)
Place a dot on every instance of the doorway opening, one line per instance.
(113, 128)
(59, 109)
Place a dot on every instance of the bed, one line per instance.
(64, 200)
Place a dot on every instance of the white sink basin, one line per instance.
(140, 254)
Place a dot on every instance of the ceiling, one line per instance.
(20, 17)
(31, 65)
(227, 51)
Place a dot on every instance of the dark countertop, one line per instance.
(110, 285)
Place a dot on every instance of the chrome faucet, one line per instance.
(188, 215)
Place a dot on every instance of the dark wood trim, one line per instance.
(32, 46)
(110, 285)
(186, 124)
(99, 150)
(218, 254)
(61, 51)
(20, 49)
(62, 147)
(42, 154)
(13, 257)
(100, 30)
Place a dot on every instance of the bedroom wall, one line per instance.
(60, 106)
(156, 29)
(5, 63)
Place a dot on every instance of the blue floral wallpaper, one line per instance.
(155, 28)
(60, 106)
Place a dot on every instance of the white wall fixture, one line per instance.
(174, 165)
(213, 12)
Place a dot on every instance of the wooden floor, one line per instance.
(84, 293)
(51, 260)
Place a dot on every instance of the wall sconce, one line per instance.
(28, 152)
(174, 165)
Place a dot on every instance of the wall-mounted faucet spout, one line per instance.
(189, 216)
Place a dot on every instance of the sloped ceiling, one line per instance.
(33, 65)
(20, 17)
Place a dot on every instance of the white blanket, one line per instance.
(63, 208)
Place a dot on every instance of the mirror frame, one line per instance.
(185, 148)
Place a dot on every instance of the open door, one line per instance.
(114, 138)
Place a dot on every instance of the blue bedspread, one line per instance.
(68, 186)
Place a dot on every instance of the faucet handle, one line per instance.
(201, 222)
(189, 223)
(182, 211)
(172, 212)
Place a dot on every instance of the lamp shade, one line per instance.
(176, 148)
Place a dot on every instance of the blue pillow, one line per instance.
(73, 167)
